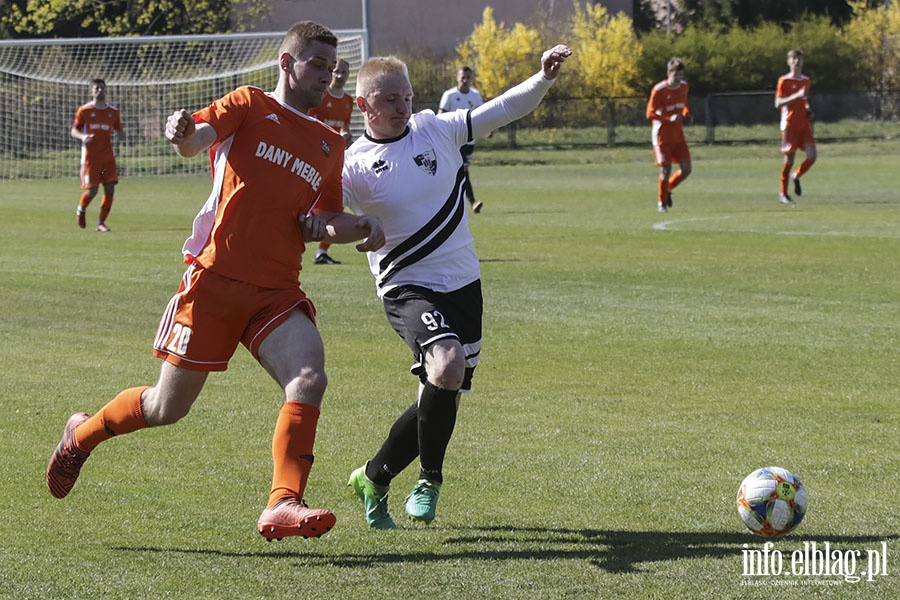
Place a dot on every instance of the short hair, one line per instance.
(466, 69)
(98, 81)
(374, 69)
(795, 53)
(302, 34)
(674, 64)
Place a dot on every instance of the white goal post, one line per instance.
(43, 82)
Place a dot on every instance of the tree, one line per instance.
(6, 11)
(605, 52)
(93, 18)
(502, 57)
(745, 59)
(875, 34)
(743, 13)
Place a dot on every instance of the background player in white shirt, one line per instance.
(464, 97)
(407, 171)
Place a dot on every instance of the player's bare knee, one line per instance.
(308, 386)
(446, 368)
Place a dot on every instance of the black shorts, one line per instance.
(466, 152)
(422, 316)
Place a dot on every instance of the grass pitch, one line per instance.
(636, 367)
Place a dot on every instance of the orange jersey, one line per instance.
(271, 164)
(335, 112)
(99, 122)
(794, 116)
(665, 102)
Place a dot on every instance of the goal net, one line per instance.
(43, 82)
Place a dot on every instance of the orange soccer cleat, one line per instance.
(294, 517)
(67, 459)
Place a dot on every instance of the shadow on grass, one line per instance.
(610, 551)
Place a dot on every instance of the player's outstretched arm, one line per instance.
(187, 137)
(552, 60)
(521, 99)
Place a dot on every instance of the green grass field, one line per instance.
(636, 367)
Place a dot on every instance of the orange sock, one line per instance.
(121, 415)
(292, 450)
(804, 167)
(105, 207)
(675, 180)
(84, 201)
(785, 175)
(663, 188)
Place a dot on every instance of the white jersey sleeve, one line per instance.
(511, 105)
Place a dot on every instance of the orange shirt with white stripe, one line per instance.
(271, 164)
(664, 102)
(100, 123)
(794, 115)
(335, 112)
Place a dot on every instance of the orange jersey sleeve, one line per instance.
(271, 164)
(99, 122)
(335, 112)
(795, 115)
(665, 102)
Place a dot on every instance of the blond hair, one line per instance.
(374, 69)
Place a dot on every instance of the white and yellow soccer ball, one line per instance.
(771, 501)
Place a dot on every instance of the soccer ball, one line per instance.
(771, 501)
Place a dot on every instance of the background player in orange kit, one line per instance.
(668, 109)
(94, 124)
(335, 111)
(276, 184)
(337, 107)
(792, 99)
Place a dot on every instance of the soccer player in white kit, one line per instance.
(464, 97)
(407, 171)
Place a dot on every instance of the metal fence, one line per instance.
(745, 117)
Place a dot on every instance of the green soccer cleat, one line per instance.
(374, 498)
(421, 503)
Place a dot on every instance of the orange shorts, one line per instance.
(210, 314)
(666, 154)
(97, 172)
(793, 140)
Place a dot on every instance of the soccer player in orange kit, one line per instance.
(335, 111)
(668, 109)
(792, 99)
(94, 125)
(276, 185)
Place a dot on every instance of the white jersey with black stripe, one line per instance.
(413, 183)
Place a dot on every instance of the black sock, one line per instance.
(467, 186)
(437, 417)
(399, 449)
